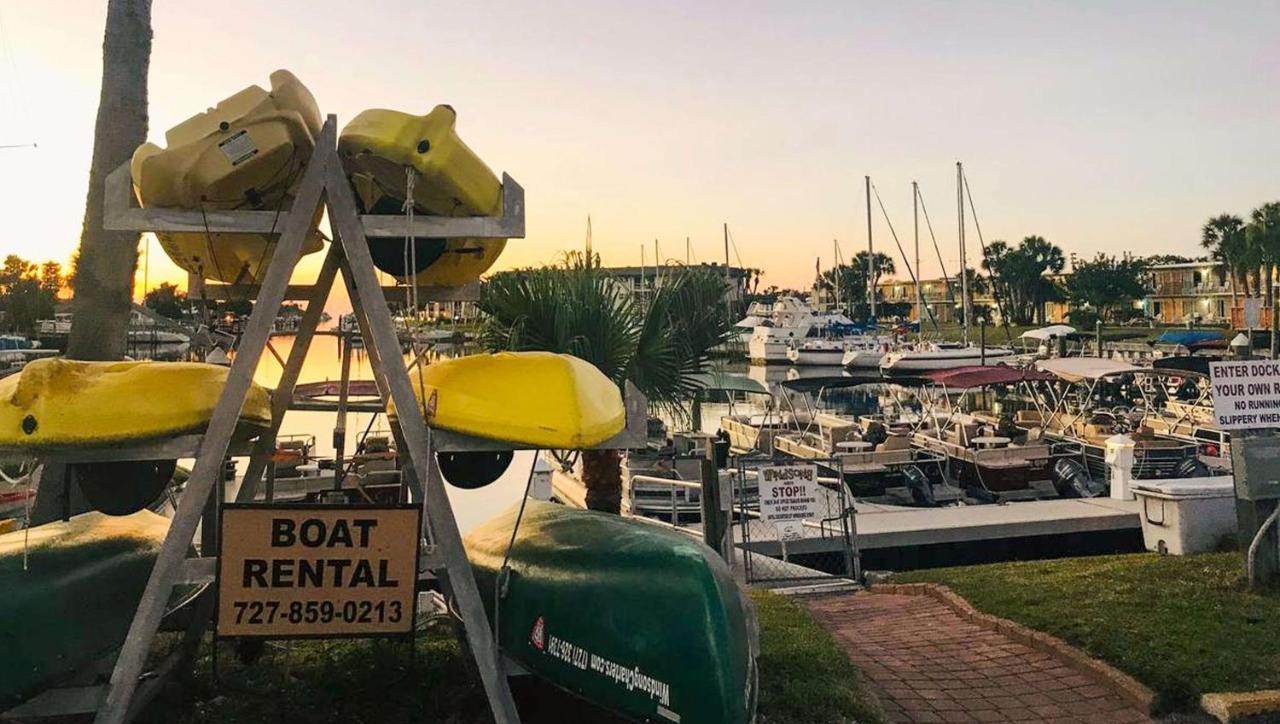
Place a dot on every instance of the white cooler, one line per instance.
(1187, 515)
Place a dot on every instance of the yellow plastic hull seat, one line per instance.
(378, 145)
(248, 152)
(539, 399)
(56, 402)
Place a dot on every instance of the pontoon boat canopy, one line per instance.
(1053, 330)
(1076, 369)
(979, 376)
(813, 384)
(1192, 365)
(729, 383)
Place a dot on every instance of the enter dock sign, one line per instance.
(318, 571)
(1246, 394)
(788, 493)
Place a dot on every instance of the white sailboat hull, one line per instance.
(816, 357)
(915, 361)
(862, 359)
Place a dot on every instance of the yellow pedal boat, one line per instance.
(378, 145)
(247, 152)
(539, 399)
(57, 403)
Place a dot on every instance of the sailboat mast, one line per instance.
(965, 300)
(915, 218)
(835, 270)
(871, 255)
(728, 298)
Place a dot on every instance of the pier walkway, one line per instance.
(927, 664)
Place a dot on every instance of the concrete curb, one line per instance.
(1228, 706)
(1124, 685)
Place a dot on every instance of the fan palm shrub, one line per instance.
(660, 344)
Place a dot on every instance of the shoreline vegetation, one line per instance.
(804, 679)
(1182, 625)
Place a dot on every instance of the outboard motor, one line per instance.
(472, 470)
(919, 486)
(1071, 480)
(1192, 468)
(125, 487)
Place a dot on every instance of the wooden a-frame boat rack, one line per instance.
(323, 182)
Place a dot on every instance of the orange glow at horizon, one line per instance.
(1101, 128)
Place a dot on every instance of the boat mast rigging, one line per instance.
(871, 256)
(915, 219)
(995, 289)
(965, 300)
(902, 251)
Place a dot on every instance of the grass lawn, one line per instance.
(804, 679)
(1182, 625)
(804, 676)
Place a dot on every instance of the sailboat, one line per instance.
(942, 355)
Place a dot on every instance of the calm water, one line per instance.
(470, 507)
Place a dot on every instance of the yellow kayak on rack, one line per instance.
(449, 180)
(248, 152)
(539, 399)
(58, 402)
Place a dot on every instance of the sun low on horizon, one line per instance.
(664, 122)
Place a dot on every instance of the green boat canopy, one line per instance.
(729, 382)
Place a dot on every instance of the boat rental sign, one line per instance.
(1246, 394)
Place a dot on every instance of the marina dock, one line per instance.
(890, 537)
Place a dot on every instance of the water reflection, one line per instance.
(470, 507)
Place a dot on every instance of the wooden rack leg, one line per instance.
(283, 396)
(217, 438)
(389, 368)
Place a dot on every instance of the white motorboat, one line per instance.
(818, 351)
(769, 345)
(789, 321)
(940, 357)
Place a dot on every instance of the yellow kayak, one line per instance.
(248, 152)
(58, 402)
(450, 180)
(540, 399)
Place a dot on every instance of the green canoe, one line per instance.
(632, 617)
(77, 596)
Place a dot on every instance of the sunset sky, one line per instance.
(1099, 125)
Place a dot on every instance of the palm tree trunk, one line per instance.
(602, 476)
(107, 260)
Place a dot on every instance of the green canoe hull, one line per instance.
(77, 596)
(637, 619)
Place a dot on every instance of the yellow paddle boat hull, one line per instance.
(55, 402)
(538, 399)
(450, 180)
(248, 152)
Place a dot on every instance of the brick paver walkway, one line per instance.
(928, 664)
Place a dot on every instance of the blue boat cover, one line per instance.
(1190, 336)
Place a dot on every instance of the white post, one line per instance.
(1120, 464)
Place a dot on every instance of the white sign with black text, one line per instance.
(1246, 394)
(789, 492)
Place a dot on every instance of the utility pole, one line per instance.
(871, 255)
(915, 217)
(965, 301)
